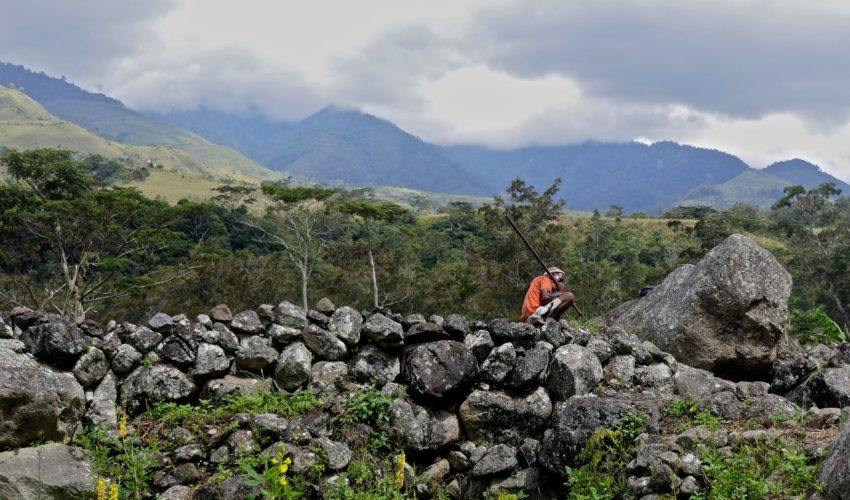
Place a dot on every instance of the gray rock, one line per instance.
(204, 320)
(765, 408)
(528, 452)
(499, 363)
(269, 427)
(293, 366)
(56, 343)
(530, 479)
(723, 404)
(412, 319)
(338, 455)
(423, 428)
(267, 313)
(177, 351)
(6, 331)
(161, 322)
(144, 339)
(284, 334)
(422, 333)
(241, 442)
(694, 437)
(698, 385)
(501, 417)
(324, 344)
(176, 492)
(829, 388)
(439, 370)
(101, 408)
(436, 318)
(226, 338)
(47, 471)
(580, 336)
(346, 324)
(691, 464)
(602, 349)
(745, 390)
(791, 365)
(627, 344)
(689, 486)
(36, 403)
(500, 331)
(218, 390)
(575, 420)
(456, 325)
(91, 367)
(211, 361)
(553, 333)
(326, 375)
(384, 331)
(371, 363)
(325, 306)
(724, 314)
(524, 334)
(189, 453)
(499, 459)
(255, 354)
(13, 345)
(655, 376)
(480, 343)
(574, 370)
(221, 313)
(318, 318)
(247, 323)
(619, 371)
(436, 471)
(288, 314)
(530, 367)
(152, 384)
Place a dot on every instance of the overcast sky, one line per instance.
(766, 80)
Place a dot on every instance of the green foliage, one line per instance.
(708, 419)
(765, 469)
(604, 457)
(369, 406)
(680, 408)
(814, 326)
(273, 481)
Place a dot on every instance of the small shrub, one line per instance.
(369, 406)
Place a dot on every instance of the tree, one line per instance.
(819, 233)
(369, 216)
(91, 241)
(296, 222)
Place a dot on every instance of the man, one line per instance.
(545, 298)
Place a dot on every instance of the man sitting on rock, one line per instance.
(545, 298)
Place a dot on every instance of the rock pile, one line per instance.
(479, 406)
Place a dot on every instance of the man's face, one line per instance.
(559, 277)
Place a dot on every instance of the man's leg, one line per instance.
(566, 299)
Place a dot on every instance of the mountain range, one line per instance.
(337, 146)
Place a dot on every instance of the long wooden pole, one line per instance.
(540, 260)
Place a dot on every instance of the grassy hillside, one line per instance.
(25, 124)
(111, 120)
(755, 187)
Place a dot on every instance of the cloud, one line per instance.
(741, 59)
(78, 38)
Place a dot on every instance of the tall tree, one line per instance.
(371, 216)
(295, 221)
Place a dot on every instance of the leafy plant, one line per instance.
(273, 482)
(367, 405)
(604, 457)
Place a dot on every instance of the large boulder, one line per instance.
(575, 370)
(152, 384)
(724, 314)
(371, 363)
(499, 416)
(36, 403)
(293, 366)
(49, 471)
(439, 370)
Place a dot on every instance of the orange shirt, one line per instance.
(534, 295)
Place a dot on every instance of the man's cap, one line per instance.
(553, 270)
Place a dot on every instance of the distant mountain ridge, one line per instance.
(110, 119)
(338, 146)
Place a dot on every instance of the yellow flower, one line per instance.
(399, 470)
(282, 480)
(113, 492)
(275, 461)
(122, 426)
(288, 461)
(282, 468)
(101, 489)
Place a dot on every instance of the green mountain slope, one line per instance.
(25, 124)
(755, 187)
(110, 119)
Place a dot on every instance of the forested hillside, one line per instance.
(133, 254)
